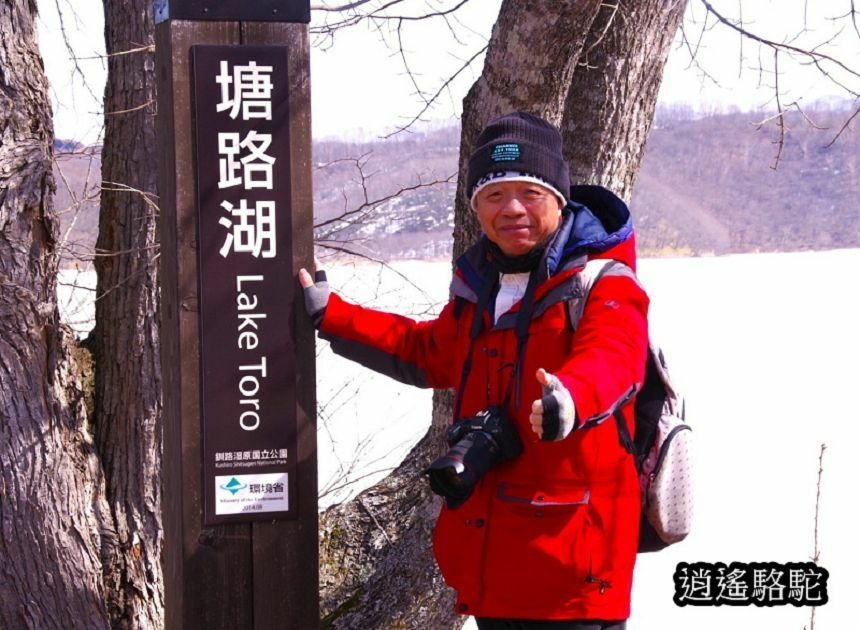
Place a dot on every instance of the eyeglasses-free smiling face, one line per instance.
(516, 216)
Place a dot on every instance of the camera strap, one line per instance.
(521, 329)
(524, 318)
(490, 282)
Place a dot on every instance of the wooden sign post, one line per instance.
(240, 477)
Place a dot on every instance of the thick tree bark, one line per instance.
(125, 341)
(613, 93)
(376, 559)
(593, 68)
(53, 523)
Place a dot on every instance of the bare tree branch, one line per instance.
(379, 17)
(67, 41)
(149, 49)
(693, 49)
(429, 102)
(131, 109)
(344, 7)
(355, 215)
(853, 14)
(345, 250)
(844, 127)
(781, 116)
(815, 551)
(813, 55)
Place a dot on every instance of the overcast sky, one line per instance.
(360, 88)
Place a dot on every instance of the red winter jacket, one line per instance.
(553, 533)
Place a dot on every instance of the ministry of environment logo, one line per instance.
(507, 152)
(233, 486)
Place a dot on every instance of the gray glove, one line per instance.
(316, 295)
(553, 417)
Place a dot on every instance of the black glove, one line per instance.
(553, 417)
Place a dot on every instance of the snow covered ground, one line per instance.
(765, 347)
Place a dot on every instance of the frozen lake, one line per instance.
(765, 347)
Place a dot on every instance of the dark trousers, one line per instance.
(485, 623)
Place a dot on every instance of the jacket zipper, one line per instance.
(604, 584)
(664, 448)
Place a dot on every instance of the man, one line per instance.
(540, 523)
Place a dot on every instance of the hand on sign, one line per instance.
(316, 292)
(553, 416)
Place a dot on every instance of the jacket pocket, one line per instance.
(457, 545)
(539, 544)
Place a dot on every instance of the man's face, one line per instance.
(516, 216)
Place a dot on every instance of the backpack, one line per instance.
(662, 446)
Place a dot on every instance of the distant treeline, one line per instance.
(709, 184)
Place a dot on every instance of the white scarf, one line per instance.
(512, 288)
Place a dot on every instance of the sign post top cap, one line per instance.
(233, 10)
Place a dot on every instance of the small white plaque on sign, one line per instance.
(251, 494)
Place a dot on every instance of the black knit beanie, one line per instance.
(518, 145)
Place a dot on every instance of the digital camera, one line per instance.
(475, 444)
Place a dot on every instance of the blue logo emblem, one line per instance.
(234, 486)
(507, 152)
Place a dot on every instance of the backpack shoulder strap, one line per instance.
(590, 275)
(674, 399)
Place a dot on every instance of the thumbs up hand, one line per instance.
(553, 416)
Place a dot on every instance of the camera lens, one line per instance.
(448, 478)
(455, 474)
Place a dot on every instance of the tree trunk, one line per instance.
(613, 93)
(376, 558)
(125, 341)
(53, 523)
(529, 66)
(593, 68)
